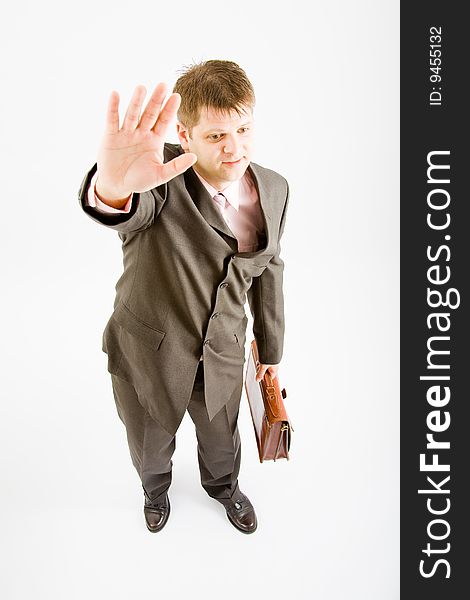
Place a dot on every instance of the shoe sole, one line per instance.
(164, 523)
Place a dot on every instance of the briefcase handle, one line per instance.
(270, 392)
(283, 391)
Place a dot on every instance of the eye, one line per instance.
(215, 137)
(244, 129)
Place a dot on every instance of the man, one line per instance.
(200, 226)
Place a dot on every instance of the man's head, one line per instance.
(215, 119)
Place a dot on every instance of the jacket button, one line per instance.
(223, 285)
(214, 316)
(206, 343)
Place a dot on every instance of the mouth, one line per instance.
(232, 163)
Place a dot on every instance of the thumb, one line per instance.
(176, 166)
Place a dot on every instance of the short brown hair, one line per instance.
(218, 84)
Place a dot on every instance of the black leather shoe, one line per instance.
(156, 514)
(242, 514)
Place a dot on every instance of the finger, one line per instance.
(176, 166)
(167, 114)
(133, 110)
(261, 373)
(153, 108)
(112, 113)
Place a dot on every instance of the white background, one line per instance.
(71, 520)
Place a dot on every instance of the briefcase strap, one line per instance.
(271, 396)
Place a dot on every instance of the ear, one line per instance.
(182, 136)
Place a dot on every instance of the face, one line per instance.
(222, 143)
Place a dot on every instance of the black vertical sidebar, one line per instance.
(435, 300)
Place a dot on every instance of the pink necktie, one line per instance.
(221, 200)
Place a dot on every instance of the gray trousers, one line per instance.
(151, 446)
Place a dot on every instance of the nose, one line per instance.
(232, 147)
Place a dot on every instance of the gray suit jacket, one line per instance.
(183, 290)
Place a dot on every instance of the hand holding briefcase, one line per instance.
(270, 421)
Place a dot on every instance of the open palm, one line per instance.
(130, 158)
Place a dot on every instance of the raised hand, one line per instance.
(130, 158)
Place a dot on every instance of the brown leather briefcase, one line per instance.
(270, 421)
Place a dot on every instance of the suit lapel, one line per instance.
(205, 204)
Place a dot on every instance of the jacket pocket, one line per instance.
(130, 322)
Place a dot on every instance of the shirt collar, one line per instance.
(231, 192)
